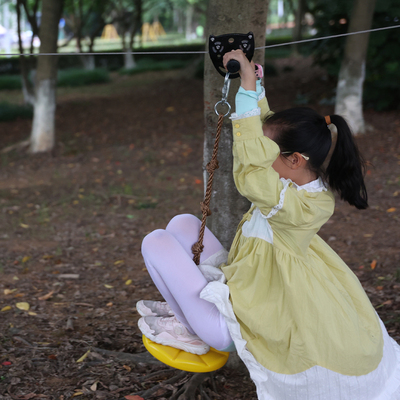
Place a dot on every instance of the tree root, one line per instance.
(149, 392)
(188, 391)
(145, 358)
(17, 146)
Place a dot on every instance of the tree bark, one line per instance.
(227, 205)
(298, 28)
(352, 71)
(43, 127)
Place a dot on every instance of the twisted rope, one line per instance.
(198, 247)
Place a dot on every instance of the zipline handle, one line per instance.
(218, 46)
(233, 66)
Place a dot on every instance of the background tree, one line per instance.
(352, 72)
(85, 19)
(382, 75)
(225, 16)
(43, 126)
(27, 63)
(299, 11)
(127, 16)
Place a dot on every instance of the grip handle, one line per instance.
(233, 66)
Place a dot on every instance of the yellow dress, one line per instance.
(300, 315)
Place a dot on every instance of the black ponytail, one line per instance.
(345, 172)
(303, 130)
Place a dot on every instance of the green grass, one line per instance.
(80, 77)
(146, 65)
(10, 82)
(10, 112)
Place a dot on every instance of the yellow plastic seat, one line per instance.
(185, 361)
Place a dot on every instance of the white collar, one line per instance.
(312, 187)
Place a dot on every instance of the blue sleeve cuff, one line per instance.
(259, 87)
(246, 100)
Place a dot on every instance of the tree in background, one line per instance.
(27, 63)
(381, 90)
(43, 126)
(349, 92)
(299, 11)
(227, 205)
(382, 75)
(127, 16)
(85, 19)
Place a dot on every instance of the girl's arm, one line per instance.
(253, 153)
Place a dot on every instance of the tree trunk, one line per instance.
(88, 62)
(352, 71)
(189, 21)
(298, 27)
(27, 87)
(43, 127)
(227, 205)
(129, 60)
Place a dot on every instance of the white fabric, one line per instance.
(258, 227)
(247, 114)
(209, 267)
(317, 185)
(316, 383)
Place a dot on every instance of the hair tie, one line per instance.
(328, 119)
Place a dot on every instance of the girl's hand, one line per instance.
(247, 69)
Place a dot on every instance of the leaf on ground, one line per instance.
(93, 388)
(128, 282)
(134, 397)
(6, 363)
(119, 262)
(77, 394)
(25, 226)
(108, 286)
(46, 296)
(83, 357)
(32, 313)
(127, 367)
(6, 308)
(23, 306)
(391, 209)
(9, 291)
(373, 264)
(26, 259)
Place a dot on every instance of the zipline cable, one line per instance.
(199, 52)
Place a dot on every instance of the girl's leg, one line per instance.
(185, 228)
(180, 282)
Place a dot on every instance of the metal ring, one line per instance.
(222, 102)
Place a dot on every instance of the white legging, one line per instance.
(168, 258)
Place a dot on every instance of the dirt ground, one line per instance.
(129, 158)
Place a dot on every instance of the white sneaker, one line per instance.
(168, 331)
(149, 308)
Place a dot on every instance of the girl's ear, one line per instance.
(297, 160)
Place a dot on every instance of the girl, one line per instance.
(297, 315)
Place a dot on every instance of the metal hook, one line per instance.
(225, 92)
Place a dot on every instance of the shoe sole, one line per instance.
(145, 329)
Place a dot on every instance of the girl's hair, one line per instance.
(303, 130)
